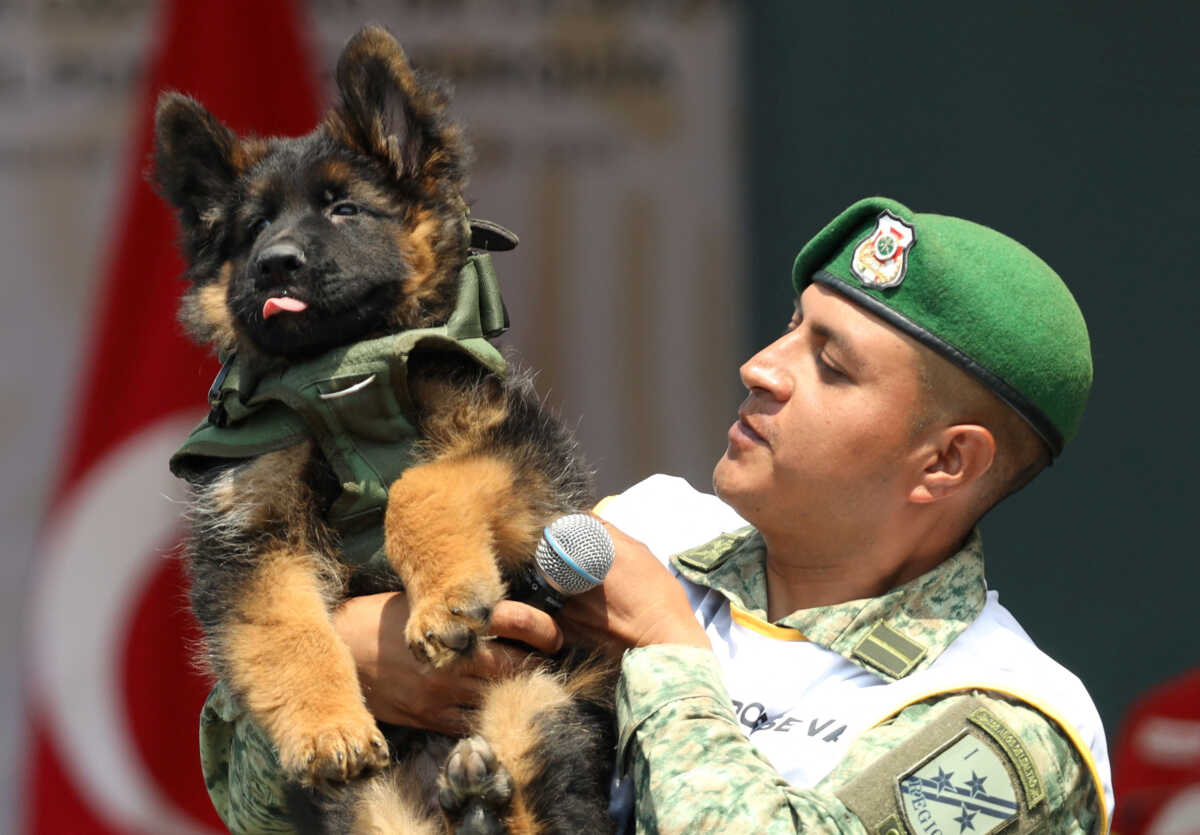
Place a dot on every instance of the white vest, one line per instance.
(802, 705)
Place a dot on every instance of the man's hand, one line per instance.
(640, 603)
(401, 690)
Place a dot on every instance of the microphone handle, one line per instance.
(530, 587)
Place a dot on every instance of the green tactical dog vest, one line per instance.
(353, 402)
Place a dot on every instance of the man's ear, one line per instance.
(958, 456)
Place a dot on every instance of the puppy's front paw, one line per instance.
(475, 790)
(331, 745)
(444, 627)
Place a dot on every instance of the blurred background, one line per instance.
(662, 162)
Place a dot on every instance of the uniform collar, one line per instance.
(892, 635)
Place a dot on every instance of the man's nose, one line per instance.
(766, 372)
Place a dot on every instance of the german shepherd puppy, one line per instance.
(299, 246)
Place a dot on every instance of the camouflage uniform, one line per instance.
(241, 768)
(694, 769)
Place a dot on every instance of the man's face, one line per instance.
(824, 442)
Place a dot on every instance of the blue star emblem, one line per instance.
(975, 784)
(965, 820)
(942, 782)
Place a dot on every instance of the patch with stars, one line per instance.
(962, 788)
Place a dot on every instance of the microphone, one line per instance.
(573, 555)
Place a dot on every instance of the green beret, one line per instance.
(977, 297)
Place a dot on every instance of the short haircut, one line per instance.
(954, 397)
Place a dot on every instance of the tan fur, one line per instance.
(270, 488)
(205, 311)
(595, 681)
(370, 195)
(507, 723)
(246, 152)
(389, 804)
(441, 526)
(417, 241)
(520, 820)
(337, 172)
(507, 718)
(456, 430)
(296, 676)
(451, 137)
(462, 418)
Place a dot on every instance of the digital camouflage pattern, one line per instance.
(693, 768)
(695, 771)
(932, 609)
(241, 768)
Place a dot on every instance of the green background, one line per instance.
(1074, 130)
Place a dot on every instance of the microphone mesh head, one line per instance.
(572, 548)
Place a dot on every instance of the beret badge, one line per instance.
(880, 259)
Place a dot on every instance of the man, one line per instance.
(840, 666)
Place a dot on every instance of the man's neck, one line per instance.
(795, 586)
(805, 578)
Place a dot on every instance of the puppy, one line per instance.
(364, 436)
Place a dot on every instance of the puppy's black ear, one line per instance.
(196, 159)
(387, 112)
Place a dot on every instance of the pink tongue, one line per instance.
(282, 304)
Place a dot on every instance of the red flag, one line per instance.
(115, 701)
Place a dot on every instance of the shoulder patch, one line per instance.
(963, 787)
(1007, 739)
(886, 650)
(950, 776)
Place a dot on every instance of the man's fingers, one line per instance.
(454, 720)
(496, 659)
(445, 708)
(519, 622)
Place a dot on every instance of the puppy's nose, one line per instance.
(280, 261)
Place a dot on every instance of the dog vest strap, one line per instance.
(493, 315)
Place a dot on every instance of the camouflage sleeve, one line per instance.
(694, 770)
(1068, 803)
(241, 768)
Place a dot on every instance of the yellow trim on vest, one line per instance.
(603, 503)
(1084, 752)
(762, 627)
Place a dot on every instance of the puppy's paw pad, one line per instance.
(474, 789)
